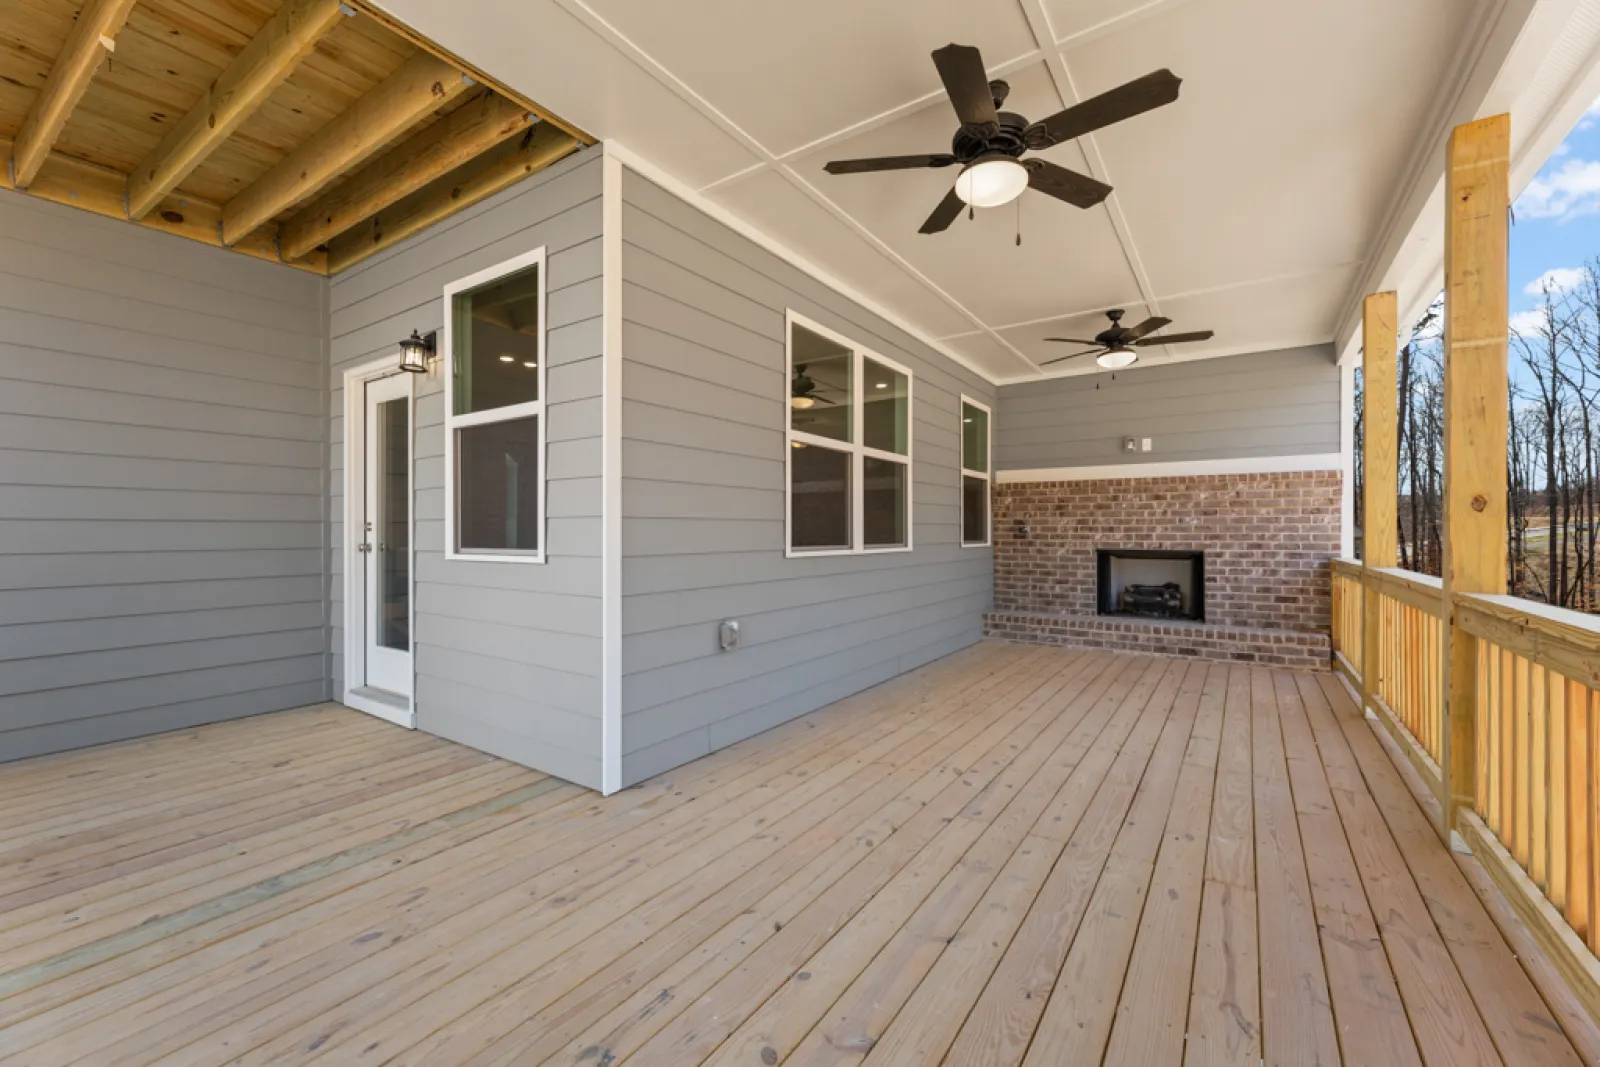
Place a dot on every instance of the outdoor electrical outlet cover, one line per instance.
(728, 635)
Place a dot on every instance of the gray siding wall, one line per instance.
(162, 505)
(1283, 403)
(704, 384)
(507, 654)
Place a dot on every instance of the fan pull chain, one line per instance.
(972, 212)
(1019, 222)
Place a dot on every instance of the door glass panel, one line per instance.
(393, 471)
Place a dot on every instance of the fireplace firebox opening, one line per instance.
(1151, 583)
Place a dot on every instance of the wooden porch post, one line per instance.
(1477, 198)
(1381, 472)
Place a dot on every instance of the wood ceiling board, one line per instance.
(85, 50)
(1069, 257)
(1259, 169)
(788, 81)
(270, 57)
(32, 33)
(160, 70)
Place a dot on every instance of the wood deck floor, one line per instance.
(1013, 856)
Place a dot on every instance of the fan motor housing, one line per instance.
(967, 145)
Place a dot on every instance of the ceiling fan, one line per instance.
(990, 143)
(803, 390)
(1113, 348)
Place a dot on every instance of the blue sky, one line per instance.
(1557, 225)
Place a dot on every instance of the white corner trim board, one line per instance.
(695, 199)
(1323, 461)
(611, 475)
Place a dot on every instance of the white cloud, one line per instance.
(1529, 323)
(1573, 189)
(1558, 280)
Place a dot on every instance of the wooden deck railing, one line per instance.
(1535, 817)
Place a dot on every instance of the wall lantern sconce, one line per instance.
(416, 352)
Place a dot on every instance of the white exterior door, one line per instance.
(383, 547)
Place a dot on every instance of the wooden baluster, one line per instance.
(1486, 780)
(1556, 711)
(1539, 781)
(1580, 803)
(1522, 739)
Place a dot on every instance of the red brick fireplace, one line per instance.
(1263, 542)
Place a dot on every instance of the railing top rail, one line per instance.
(1412, 578)
(1563, 640)
(1349, 567)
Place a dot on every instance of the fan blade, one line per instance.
(1124, 102)
(967, 85)
(944, 214)
(867, 166)
(1079, 190)
(1075, 355)
(1150, 325)
(1177, 338)
(1074, 341)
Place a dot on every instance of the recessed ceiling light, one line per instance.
(529, 363)
(966, 420)
(796, 444)
(508, 359)
(883, 385)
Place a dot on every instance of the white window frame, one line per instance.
(858, 452)
(454, 422)
(967, 472)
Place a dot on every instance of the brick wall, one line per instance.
(1267, 539)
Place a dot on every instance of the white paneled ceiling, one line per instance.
(1253, 206)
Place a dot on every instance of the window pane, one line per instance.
(495, 331)
(393, 627)
(974, 439)
(820, 385)
(819, 480)
(974, 510)
(886, 407)
(883, 502)
(497, 484)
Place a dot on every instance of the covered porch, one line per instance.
(1013, 855)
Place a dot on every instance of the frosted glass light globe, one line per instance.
(992, 181)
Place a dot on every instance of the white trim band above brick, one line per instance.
(1329, 461)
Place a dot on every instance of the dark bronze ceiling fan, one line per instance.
(1113, 348)
(990, 143)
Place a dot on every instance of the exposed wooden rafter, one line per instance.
(425, 156)
(266, 61)
(280, 129)
(93, 37)
(482, 177)
(398, 103)
(76, 183)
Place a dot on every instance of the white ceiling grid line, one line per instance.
(581, 10)
(1061, 77)
(1289, 178)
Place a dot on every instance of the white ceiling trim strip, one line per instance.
(649, 170)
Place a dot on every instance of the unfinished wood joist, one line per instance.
(309, 132)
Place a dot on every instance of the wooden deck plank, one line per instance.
(1153, 1013)
(1225, 998)
(595, 1014)
(1296, 1011)
(1014, 854)
(1371, 1017)
(1517, 1021)
(408, 906)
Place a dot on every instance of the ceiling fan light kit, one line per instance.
(991, 181)
(990, 143)
(1117, 358)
